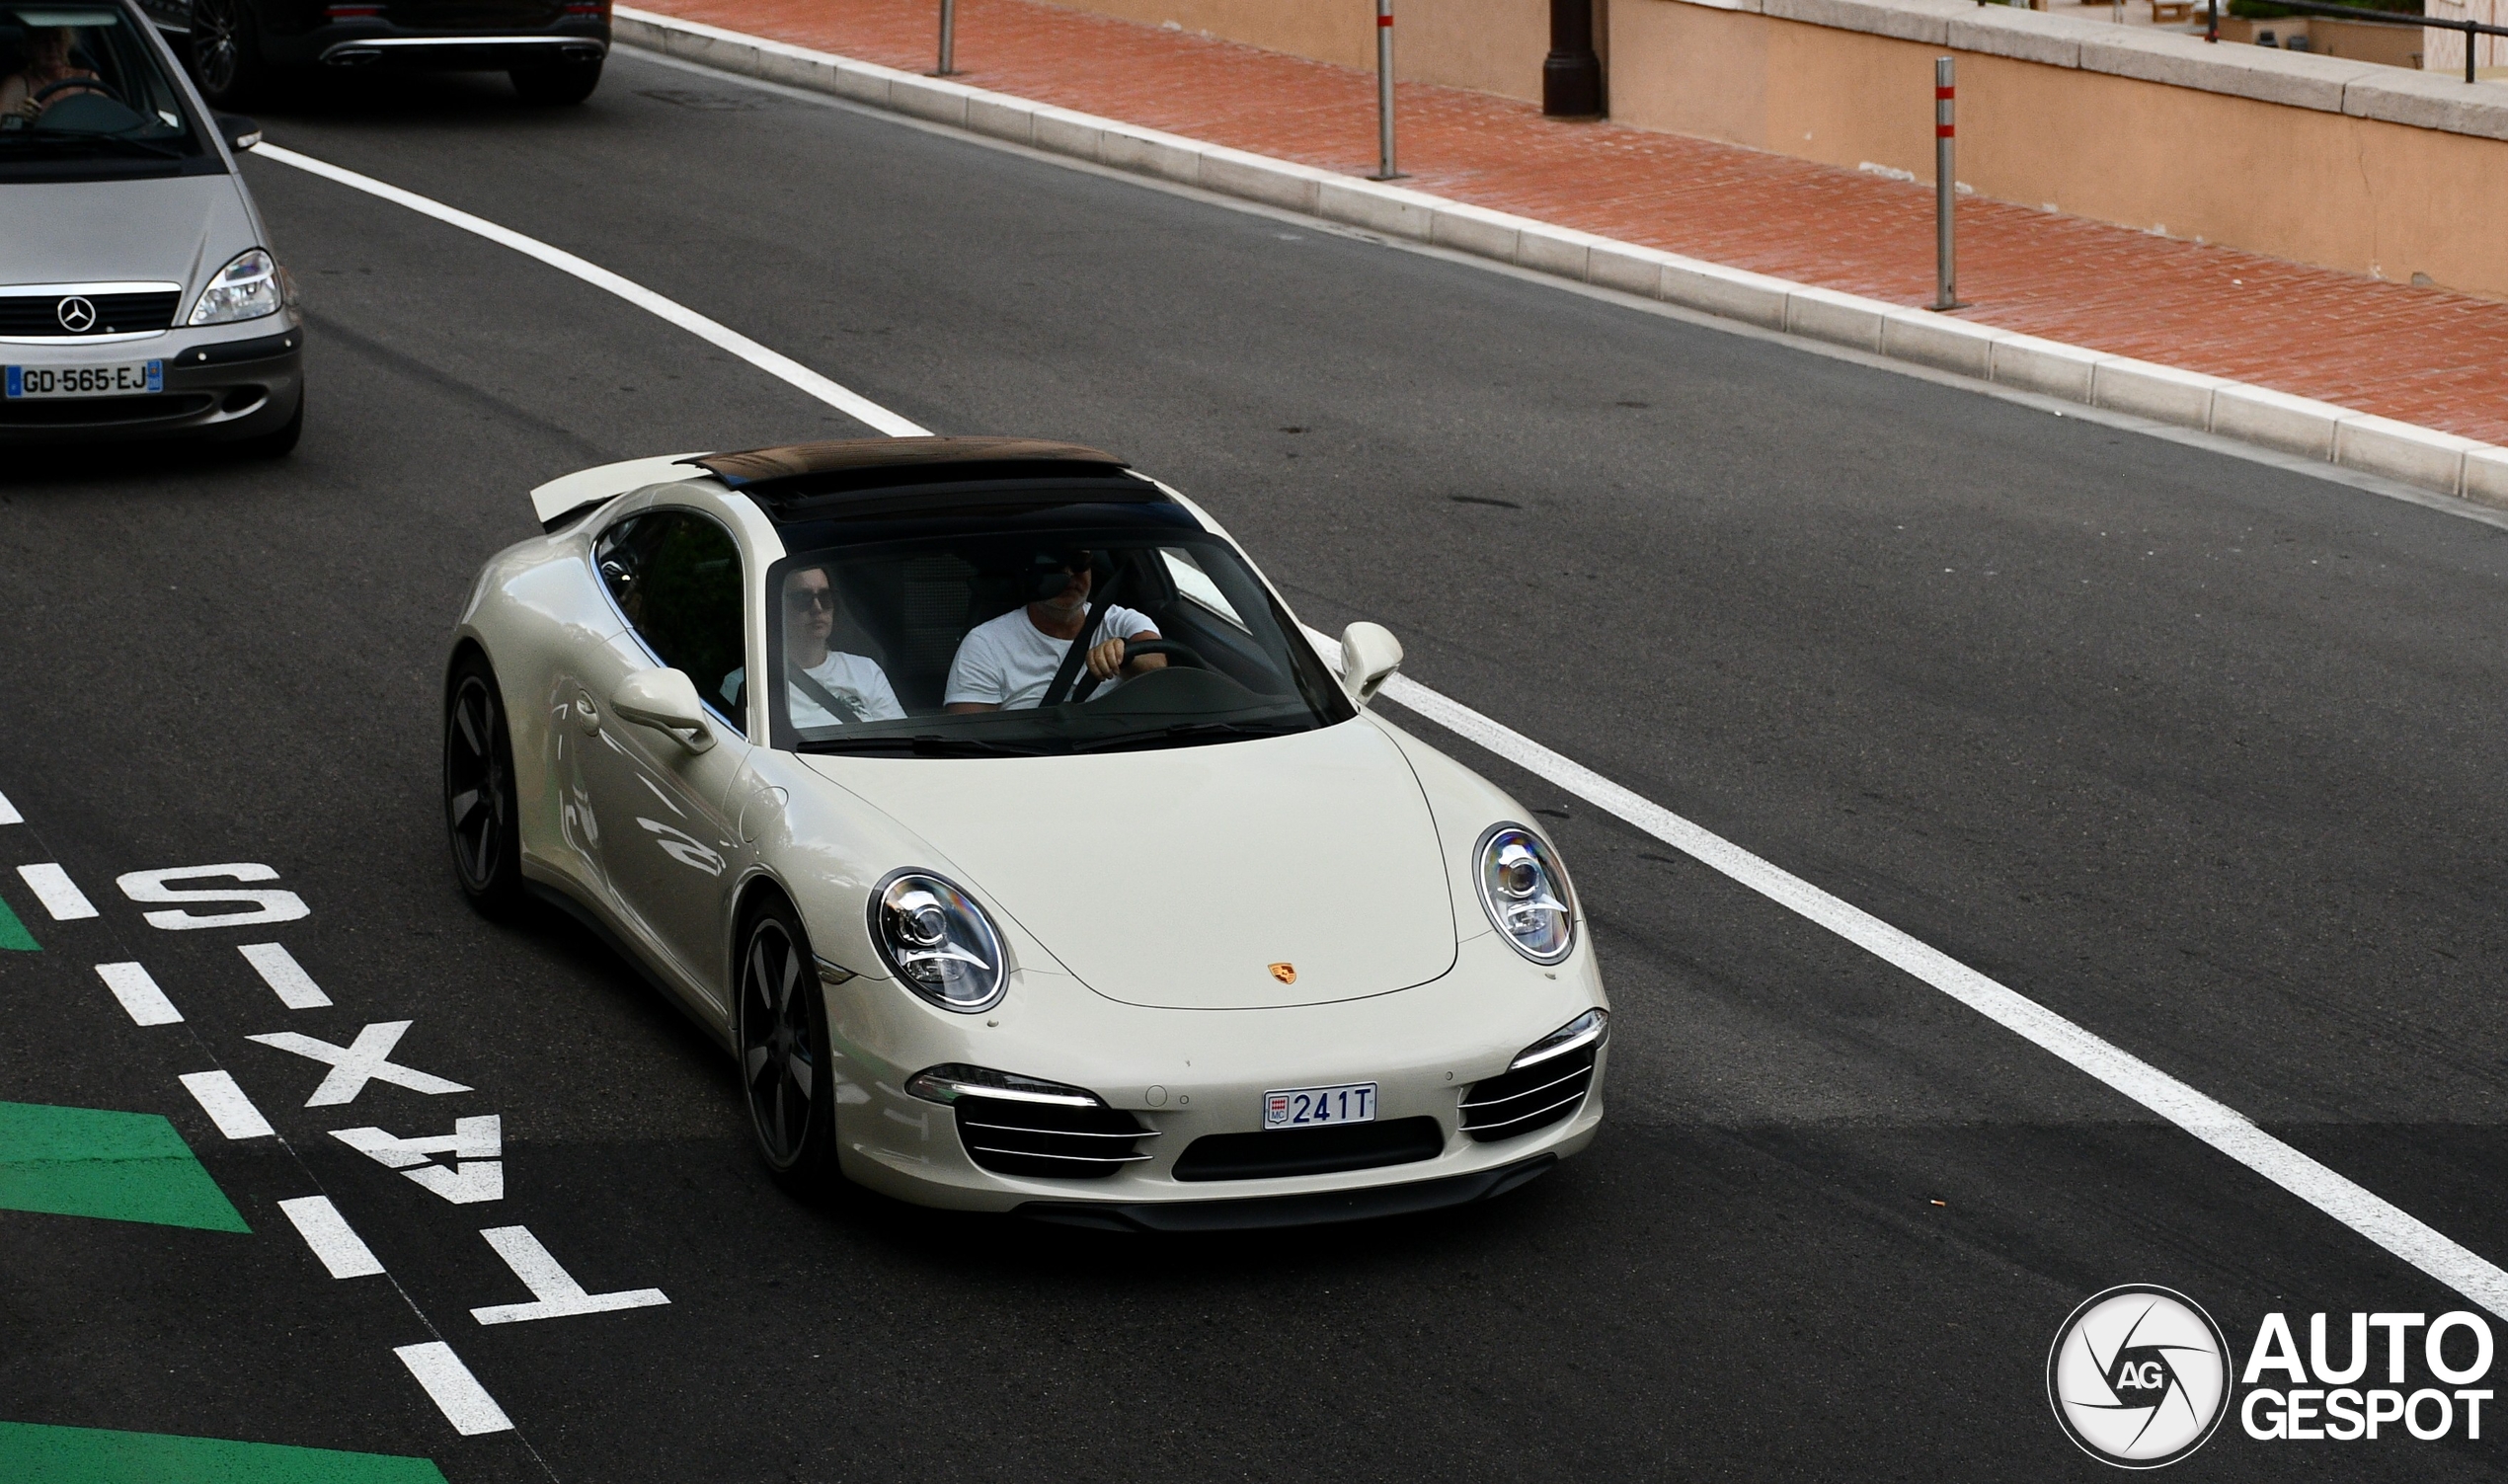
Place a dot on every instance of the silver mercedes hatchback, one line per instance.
(139, 294)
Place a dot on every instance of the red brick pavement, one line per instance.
(2423, 355)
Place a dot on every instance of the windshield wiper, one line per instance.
(1188, 734)
(921, 745)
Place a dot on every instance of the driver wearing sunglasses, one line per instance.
(822, 686)
(1010, 661)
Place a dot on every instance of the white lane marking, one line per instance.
(360, 1062)
(554, 1294)
(223, 1099)
(783, 368)
(270, 904)
(9, 812)
(456, 1391)
(286, 978)
(2215, 1123)
(139, 996)
(330, 1237)
(59, 895)
(476, 1173)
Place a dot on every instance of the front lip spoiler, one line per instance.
(1323, 1208)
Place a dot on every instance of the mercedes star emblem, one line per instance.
(76, 315)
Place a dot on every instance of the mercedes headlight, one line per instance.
(1525, 892)
(245, 289)
(938, 942)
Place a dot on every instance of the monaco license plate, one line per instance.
(137, 379)
(1307, 1107)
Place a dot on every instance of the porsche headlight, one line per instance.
(245, 289)
(1525, 892)
(937, 941)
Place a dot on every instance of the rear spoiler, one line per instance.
(564, 500)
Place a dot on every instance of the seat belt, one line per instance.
(828, 701)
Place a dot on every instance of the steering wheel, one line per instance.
(1134, 649)
(82, 84)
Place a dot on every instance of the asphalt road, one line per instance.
(2198, 752)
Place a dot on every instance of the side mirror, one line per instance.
(1369, 655)
(241, 133)
(667, 700)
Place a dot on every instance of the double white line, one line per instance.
(2215, 1123)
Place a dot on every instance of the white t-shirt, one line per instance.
(1008, 662)
(850, 679)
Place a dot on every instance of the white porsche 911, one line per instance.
(981, 797)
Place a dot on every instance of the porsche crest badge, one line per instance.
(1287, 973)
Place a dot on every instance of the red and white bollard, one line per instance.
(1385, 92)
(1946, 186)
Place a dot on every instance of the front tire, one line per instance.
(558, 85)
(786, 1076)
(225, 53)
(481, 816)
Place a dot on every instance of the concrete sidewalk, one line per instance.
(2419, 356)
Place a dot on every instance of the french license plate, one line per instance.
(1307, 1107)
(136, 379)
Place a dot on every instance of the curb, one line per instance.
(2421, 456)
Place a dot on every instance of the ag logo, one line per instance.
(77, 315)
(2139, 1376)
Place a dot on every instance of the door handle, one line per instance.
(587, 717)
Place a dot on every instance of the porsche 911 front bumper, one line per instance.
(1192, 1085)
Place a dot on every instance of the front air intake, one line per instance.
(1515, 1103)
(1271, 1153)
(1054, 1141)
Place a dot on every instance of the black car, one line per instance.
(240, 48)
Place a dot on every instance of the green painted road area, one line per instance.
(34, 1453)
(114, 1166)
(12, 933)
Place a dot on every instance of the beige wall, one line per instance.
(2293, 182)
(1489, 45)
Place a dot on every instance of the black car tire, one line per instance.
(787, 1075)
(483, 820)
(558, 84)
(225, 53)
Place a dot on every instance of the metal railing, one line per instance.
(2471, 29)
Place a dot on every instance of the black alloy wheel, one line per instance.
(558, 83)
(480, 813)
(226, 52)
(785, 1073)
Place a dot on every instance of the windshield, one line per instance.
(1034, 641)
(83, 94)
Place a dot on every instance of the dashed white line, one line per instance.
(59, 895)
(333, 1240)
(2215, 1124)
(555, 1294)
(226, 1105)
(139, 996)
(774, 363)
(9, 812)
(456, 1391)
(286, 978)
